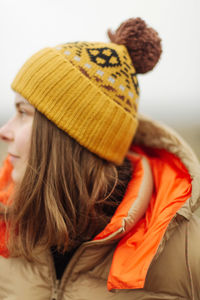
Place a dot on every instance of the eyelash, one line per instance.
(21, 112)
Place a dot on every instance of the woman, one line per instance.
(96, 202)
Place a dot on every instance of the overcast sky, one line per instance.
(171, 92)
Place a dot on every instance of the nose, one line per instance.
(6, 132)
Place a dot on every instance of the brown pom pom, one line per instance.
(142, 43)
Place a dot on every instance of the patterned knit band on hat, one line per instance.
(90, 90)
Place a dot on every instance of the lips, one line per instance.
(13, 157)
(11, 154)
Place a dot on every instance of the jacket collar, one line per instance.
(160, 186)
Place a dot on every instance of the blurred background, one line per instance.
(170, 93)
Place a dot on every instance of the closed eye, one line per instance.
(21, 113)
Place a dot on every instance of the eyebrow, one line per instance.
(17, 104)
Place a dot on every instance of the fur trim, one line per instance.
(156, 135)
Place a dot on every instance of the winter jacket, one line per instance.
(149, 250)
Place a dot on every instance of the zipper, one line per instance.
(55, 281)
(54, 295)
(58, 285)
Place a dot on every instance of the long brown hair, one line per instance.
(67, 194)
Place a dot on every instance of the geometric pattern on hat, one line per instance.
(109, 67)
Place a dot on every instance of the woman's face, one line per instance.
(17, 134)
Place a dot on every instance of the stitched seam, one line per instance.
(187, 263)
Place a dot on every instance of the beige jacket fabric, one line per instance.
(174, 272)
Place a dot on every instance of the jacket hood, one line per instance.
(164, 191)
(154, 134)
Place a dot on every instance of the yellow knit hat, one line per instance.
(89, 90)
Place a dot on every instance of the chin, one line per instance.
(16, 176)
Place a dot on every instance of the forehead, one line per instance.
(20, 99)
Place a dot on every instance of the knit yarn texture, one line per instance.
(89, 90)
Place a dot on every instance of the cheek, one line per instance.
(23, 140)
